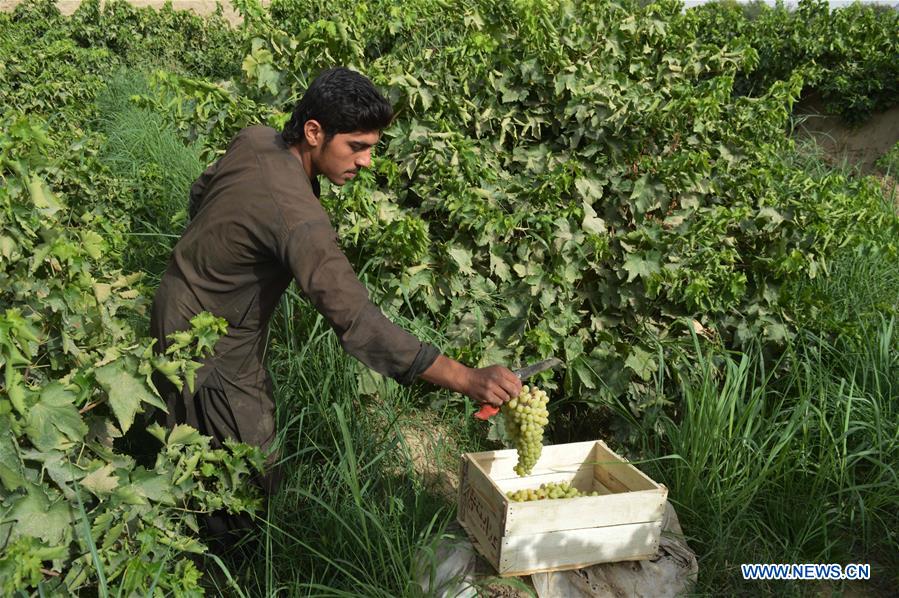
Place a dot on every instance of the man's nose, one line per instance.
(364, 161)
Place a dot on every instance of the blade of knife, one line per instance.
(526, 372)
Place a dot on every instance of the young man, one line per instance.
(256, 225)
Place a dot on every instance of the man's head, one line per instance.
(337, 122)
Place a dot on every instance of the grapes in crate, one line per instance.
(547, 491)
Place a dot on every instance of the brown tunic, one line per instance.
(256, 224)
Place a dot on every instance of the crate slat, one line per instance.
(541, 516)
(616, 472)
(559, 458)
(541, 552)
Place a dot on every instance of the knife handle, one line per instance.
(486, 411)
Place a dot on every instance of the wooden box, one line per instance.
(518, 538)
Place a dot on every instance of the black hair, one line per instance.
(342, 101)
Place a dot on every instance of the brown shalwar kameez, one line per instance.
(256, 224)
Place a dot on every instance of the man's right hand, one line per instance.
(492, 385)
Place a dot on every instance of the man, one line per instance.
(256, 224)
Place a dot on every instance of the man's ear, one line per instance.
(313, 133)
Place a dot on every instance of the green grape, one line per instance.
(548, 491)
(526, 416)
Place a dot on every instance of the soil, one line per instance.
(861, 145)
(435, 456)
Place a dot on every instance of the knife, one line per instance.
(487, 411)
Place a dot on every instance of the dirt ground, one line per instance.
(861, 145)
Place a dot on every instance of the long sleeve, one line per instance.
(326, 277)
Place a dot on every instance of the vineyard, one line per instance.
(612, 183)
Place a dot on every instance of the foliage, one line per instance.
(889, 162)
(594, 180)
(74, 511)
(545, 194)
(850, 55)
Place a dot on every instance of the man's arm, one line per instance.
(327, 279)
(494, 384)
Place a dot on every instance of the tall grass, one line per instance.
(799, 468)
(352, 517)
(145, 152)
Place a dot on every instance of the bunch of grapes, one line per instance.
(526, 415)
(547, 491)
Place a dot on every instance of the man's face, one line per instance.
(341, 158)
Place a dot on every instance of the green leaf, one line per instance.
(184, 434)
(12, 472)
(642, 266)
(54, 422)
(641, 362)
(591, 223)
(8, 246)
(462, 257)
(499, 267)
(43, 199)
(56, 465)
(101, 481)
(152, 486)
(32, 515)
(584, 374)
(645, 196)
(125, 390)
(93, 243)
(589, 188)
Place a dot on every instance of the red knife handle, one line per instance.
(486, 411)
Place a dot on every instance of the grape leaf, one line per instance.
(641, 362)
(642, 266)
(591, 223)
(12, 473)
(125, 390)
(32, 515)
(54, 422)
(462, 257)
(101, 481)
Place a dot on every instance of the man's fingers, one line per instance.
(513, 386)
(510, 386)
(498, 397)
(494, 399)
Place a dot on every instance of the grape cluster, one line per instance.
(526, 415)
(547, 491)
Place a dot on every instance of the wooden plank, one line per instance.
(641, 557)
(543, 516)
(598, 487)
(617, 474)
(541, 552)
(482, 509)
(582, 480)
(559, 458)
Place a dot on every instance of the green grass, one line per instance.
(145, 152)
(352, 516)
(889, 162)
(778, 469)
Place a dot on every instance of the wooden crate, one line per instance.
(518, 538)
